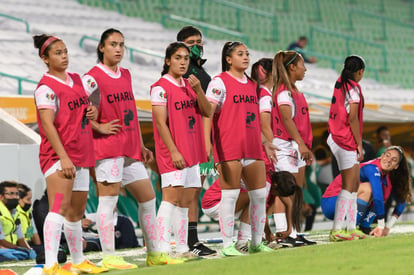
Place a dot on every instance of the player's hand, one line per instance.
(147, 155)
(68, 169)
(305, 153)
(270, 149)
(178, 160)
(376, 232)
(110, 128)
(194, 83)
(385, 232)
(91, 112)
(360, 153)
(209, 150)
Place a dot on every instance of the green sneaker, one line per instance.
(231, 250)
(357, 234)
(340, 235)
(160, 258)
(261, 247)
(116, 262)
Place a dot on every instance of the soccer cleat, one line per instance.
(290, 242)
(242, 247)
(261, 247)
(357, 234)
(161, 258)
(200, 249)
(87, 267)
(340, 235)
(56, 269)
(188, 256)
(304, 240)
(231, 250)
(116, 262)
(274, 245)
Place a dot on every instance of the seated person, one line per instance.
(380, 178)
(11, 234)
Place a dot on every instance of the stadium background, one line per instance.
(379, 30)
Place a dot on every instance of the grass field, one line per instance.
(390, 255)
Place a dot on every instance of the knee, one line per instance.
(365, 191)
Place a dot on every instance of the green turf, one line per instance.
(391, 255)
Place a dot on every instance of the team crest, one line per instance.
(216, 91)
(50, 96)
(163, 95)
(91, 83)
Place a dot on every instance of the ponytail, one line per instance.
(281, 63)
(261, 72)
(352, 64)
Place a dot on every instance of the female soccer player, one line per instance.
(63, 114)
(292, 132)
(178, 105)
(345, 141)
(237, 144)
(380, 178)
(120, 151)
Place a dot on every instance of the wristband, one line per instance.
(391, 221)
(381, 223)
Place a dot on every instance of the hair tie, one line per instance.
(293, 58)
(48, 41)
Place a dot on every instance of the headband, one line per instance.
(293, 58)
(48, 41)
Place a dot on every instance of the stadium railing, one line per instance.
(205, 28)
(17, 19)
(131, 50)
(348, 39)
(383, 20)
(19, 81)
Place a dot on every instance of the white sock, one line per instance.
(280, 222)
(226, 214)
(105, 223)
(244, 233)
(73, 234)
(52, 231)
(180, 229)
(148, 221)
(352, 212)
(294, 233)
(164, 215)
(257, 214)
(341, 209)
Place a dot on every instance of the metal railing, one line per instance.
(383, 21)
(348, 39)
(239, 9)
(205, 28)
(18, 20)
(131, 50)
(19, 81)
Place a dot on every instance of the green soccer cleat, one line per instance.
(231, 250)
(116, 262)
(340, 235)
(261, 247)
(161, 258)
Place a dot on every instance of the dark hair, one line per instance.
(256, 74)
(379, 130)
(105, 36)
(280, 70)
(285, 184)
(303, 38)
(6, 184)
(400, 177)
(172, 49)
(188, 31)
(353, 63)
(228, 48)
(39, 40)
(23, 190)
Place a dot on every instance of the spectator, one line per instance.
(299, 46)
(11, 234)
(383, 140)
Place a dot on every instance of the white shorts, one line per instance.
(81, 182)
(187, 177)
(247, 162)
(345, 159)
(213, 212)
(288, 156)
(120, 169)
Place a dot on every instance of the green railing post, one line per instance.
(238, 22)
(275, 31)
(381, 6)
(318, 11)
(384, 31)
(17, 19)
(286, 5)
(202, 11)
